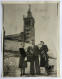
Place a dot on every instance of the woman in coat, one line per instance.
(21, 61)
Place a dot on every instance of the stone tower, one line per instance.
(29, 29)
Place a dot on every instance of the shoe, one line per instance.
(20, 74)
(24, 74)
(32, 74)
(46, 74)
(38, 73)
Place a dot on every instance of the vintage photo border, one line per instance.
(58, 58)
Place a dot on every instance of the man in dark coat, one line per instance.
(43, 55)
(36, 59)
(32, 56)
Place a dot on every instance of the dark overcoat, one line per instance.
(29, 53)
(35, 50)
(43, 56)
(22, 57)
(36, 59)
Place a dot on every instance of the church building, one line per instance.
(13, 42)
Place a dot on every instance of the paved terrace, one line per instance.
(11, 66)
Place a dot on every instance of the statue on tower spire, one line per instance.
(29, 6)
(29, 12)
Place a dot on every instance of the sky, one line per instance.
(46, 21)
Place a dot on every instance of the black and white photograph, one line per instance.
(31, 39)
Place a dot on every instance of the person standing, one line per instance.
(21, 61)
(36, 59)
(43, 56)
(30, 59)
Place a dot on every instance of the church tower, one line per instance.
(29, 29)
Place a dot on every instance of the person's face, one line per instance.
(32, 43)
(41, 43)
(23, 44)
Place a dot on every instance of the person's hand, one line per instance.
(42, 52)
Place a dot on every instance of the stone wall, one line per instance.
(14, 45)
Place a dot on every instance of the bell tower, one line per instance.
(29, 29)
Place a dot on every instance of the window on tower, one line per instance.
(28, 33)
(26, 22)
(29, 22)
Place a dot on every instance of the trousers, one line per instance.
(35, 62)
